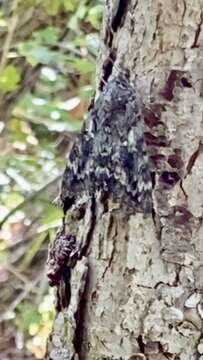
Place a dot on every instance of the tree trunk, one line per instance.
(137, 291)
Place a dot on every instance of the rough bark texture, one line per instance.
(137, 291)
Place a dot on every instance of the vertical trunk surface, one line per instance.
(137, 292)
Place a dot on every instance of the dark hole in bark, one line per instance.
(185, 82)
(68, 202)
(140, 343)
(170, 178)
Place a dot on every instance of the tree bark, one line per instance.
(137, 291)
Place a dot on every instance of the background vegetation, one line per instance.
(47, 69)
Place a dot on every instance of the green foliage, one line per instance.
(9, 79)
(94, 16)
(46, 82)
(27, 315)
(37, 50)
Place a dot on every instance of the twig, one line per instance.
(11, 29)
(16, 273)
(20, 297)
(27, 200)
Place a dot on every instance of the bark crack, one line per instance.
(119, 18)
(193, 158)
(197, 33)
(117, 22)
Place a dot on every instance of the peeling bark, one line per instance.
(137, 290)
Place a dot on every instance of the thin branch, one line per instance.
(29, 287)
(28, 199)
(11, 30)
(13, 270)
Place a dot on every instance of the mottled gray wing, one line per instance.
(110, 154)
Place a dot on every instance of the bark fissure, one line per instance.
(197, 33)
(115, 24)
(121, 12)
(193, 158)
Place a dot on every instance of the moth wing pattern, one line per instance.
(110, 154)
(76, 175)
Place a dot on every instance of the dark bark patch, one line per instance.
(175, 78)
(151, 119)
(185, 82)
(155, 140)
(171, 82)
(119, 17)
(182, 215)
(169, 178)
(157, 160)
(107, 68)
(140, 343)
(175, 161)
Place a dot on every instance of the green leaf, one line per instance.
(95, 15)
(83, 65)
(52, 7)
(28, 315)
(48, 36)
(69, 5)
(78, 15)
(17, 130)
(51, 215)
(3, 20)
(36, 54)
(10, 78)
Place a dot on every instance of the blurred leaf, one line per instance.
(36, 54)
(13, 199)
(27, 315)
(52, 215)
(3, 21)
(78, 15)
(83, 65)
(17, 130)
(95, 15)
(92, 41)
(69, 5)
(59, 38)
(9, 79)
(4, 180)
(52, 7)
(47, 36)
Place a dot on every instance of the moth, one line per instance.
(108, 158)
(110, 155)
